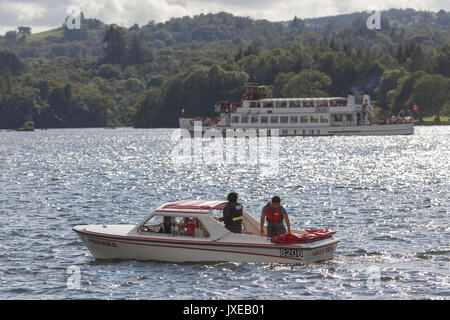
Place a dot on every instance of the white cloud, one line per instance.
(22, 11)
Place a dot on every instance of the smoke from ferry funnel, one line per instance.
(354, 89)
(372, 82)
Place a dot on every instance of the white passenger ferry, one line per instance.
(300, 116)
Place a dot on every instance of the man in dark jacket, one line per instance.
(232, 214)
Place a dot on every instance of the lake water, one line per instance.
(386, 196)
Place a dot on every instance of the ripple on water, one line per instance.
(391, 216)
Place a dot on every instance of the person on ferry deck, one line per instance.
(232, 214)
(275, 214)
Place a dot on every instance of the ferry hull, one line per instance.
(123, 248)
(390, 129)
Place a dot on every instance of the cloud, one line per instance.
(22, 11)
(40, 15)
(51, 13)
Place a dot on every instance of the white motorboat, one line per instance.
(188, 231)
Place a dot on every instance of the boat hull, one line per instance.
(107, 247)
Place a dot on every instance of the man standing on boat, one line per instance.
(232, 214)
(275, 214)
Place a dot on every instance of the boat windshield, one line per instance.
(175, 226)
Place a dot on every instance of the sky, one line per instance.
(43, 15)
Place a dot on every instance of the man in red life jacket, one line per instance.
(275, 214)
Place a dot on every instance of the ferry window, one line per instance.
(235, 119)
(323, 119)
(322, 103)
(254, 119)
(304, 119)
(189, 227)
(264, 119)
(244, 119)
(314, 118)
(294, 104)
(338, 118)
(308, 104)
(284, 119)
(294, 119)
(349, 118)
(253, 105)
(284, 104)
(273, 119)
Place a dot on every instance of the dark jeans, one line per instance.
(275, 231)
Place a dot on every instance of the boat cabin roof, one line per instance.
(195, 205)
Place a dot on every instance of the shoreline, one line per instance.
(432, 124)
(425, 124)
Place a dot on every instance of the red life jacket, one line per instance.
(190, 227)
(273, 217)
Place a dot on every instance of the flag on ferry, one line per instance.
(416, 108)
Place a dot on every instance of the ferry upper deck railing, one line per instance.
(297, 103)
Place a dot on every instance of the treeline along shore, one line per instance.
(143, 76)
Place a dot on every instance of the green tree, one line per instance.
(9, 61)
(59, 107)
(389, 81)
(115, 50)
(137, 53)
(280, 81)
(443, 60)
(297, 25)
(431, 93)
(109, 71)
(147, 112)
(405, 88)
(10, 38)
(23, 32)
(308, 83)
(417, 61)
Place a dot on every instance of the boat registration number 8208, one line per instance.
(296, 253)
